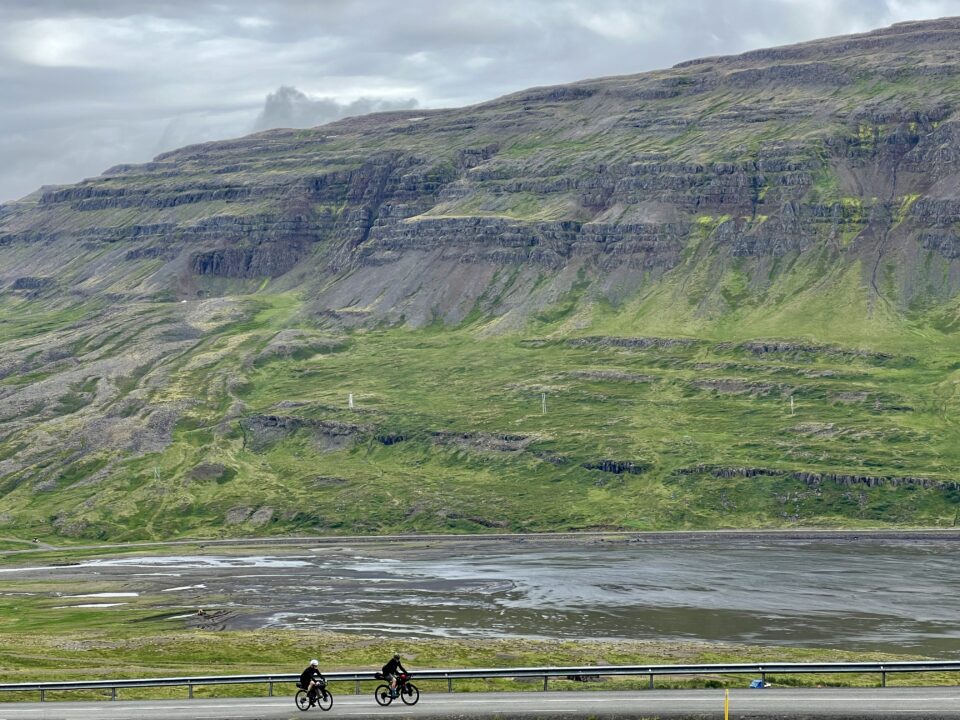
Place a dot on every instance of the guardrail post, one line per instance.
(270, 689)
(651, 680)
(883, 678)
(449, 684)
(190, 690)
(356, 688)
(763, 678)
(42, 695)
(113, 693)
(544, 683)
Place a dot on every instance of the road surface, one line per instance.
(773, 704)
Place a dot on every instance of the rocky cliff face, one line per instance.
(847, 146)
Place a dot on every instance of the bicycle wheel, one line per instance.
(302, 699)
(325, 701)
(410, 694)
(382, 695)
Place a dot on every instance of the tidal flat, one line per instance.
(659, 598)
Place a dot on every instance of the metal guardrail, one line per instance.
(761, 669)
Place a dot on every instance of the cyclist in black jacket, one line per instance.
(390, 672)
(309, 680)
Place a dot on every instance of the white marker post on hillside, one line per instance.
(543, 403)
(350, 401)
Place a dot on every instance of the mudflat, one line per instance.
(871, 591)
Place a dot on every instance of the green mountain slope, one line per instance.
(719, 295)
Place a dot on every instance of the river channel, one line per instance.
(901, 597)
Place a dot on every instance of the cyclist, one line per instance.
(390, 672)
(310, 678)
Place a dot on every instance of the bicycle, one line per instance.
(406, 691)
(324, 698)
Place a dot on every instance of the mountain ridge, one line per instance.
(479, 168)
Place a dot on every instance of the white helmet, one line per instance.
(314, 662)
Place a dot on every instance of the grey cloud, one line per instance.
(289, 107)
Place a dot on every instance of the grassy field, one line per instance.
(140, 649)
(134, 646)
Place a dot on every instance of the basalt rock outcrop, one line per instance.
(743, 167)
(264, 430)
(632, 467)
(814, 479)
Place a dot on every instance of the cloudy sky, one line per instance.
(86, 84)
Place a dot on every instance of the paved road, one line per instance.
(793, 704)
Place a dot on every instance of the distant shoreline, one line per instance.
(613, 536)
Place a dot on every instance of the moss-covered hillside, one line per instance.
(719, 295)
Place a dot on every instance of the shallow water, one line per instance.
(900, 597)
